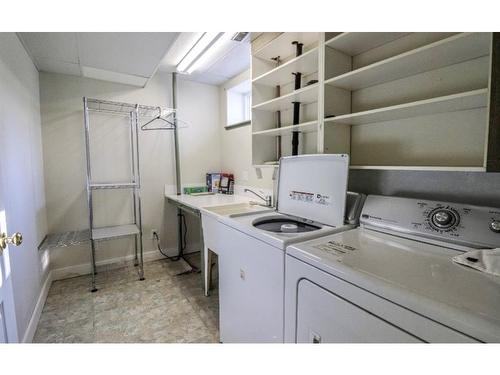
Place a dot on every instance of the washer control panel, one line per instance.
(466, 225)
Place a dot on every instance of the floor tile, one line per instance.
(164, 307)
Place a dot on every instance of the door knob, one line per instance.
(16, 239)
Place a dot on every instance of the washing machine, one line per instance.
(311, 202)
(393, 279)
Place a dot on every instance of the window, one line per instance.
(239, 104)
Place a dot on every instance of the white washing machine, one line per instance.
(311, 203)
(393, 278)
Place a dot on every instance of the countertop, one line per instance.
(198, 202)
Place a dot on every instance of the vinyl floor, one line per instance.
(164, 308)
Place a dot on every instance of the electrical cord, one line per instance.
(157, 238)
(183, 245)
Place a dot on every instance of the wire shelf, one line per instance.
(106, 106)
(65, 239)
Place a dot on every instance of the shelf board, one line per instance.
(282, 45)
(419, 168)
(120, 185)
(265, 165)
(353, 44)
(115, 231)
(448, 103)
(452, 50)
(65, 239)
(305, 95)
(305, 127)
(307, 63)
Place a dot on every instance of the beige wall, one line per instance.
(64, 159)
(236, 144)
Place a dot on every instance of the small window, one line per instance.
(239, 104)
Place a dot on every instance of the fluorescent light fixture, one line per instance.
(210, 52)
(201, 45)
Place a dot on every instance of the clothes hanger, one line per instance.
(160, 117)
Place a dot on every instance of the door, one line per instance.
(323, 317)
(8, 325)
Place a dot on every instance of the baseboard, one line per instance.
(37, 312)
(85, 269)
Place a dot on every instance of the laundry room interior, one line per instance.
(214, 187)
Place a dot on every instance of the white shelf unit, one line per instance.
(408, 101)
(417, 168)
(393, 101)
(282, 45)
(452, 50)
(307, 64)
(355, 43)
(305, 95)
(449, 103)
(267, 75)
(306, 127)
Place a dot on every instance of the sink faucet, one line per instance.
(267, 198)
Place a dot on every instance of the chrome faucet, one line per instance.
(267, 198)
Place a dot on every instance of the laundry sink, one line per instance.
(237, 209)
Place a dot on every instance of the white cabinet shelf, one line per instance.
(453, 50)
(403, 101)
(306, 127)
(448, 103)
(307, 63)
(418, 168)
(115, 231)
(305, 95)
(282, 45)
(355, 43)
(266, 165)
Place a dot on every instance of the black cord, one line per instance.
(155, 235)
(184, 244)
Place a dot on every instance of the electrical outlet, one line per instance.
(153, 231)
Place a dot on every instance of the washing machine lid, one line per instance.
(314, 187)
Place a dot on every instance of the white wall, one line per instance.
(20, 141)
(64, 159)
(236, 145)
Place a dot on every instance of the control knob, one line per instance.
(443, 218)
(495, 226)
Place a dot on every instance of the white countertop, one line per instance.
(198, 202)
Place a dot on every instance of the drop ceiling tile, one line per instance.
(55, 46)
(56, 66)
(136, 54)
(106, 75)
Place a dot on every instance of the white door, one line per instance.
(8, 326)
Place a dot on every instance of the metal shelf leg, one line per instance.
(136, 257)
(92, 252)
(141, 257)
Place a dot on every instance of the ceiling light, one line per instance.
(198, 48)
(210, 52)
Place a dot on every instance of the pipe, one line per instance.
(176, 136)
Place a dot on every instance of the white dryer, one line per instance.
(311, 202)
(393, 278)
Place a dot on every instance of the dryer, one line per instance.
(393, 278)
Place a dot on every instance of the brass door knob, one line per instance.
(16, 239)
